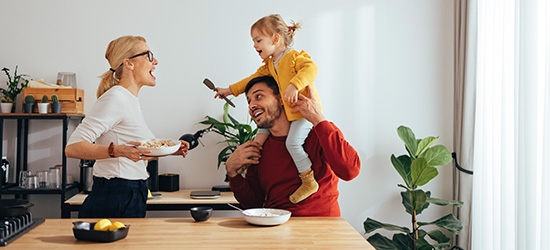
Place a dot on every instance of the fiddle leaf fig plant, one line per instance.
(235, 133)
(417, 168)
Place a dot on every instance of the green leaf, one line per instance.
(380, 242)
(438, 236)
(414, 201)
(403, 241)
(370, 225)
(442, 202)
(422, 244)
(421, 173)
(437, 156)
(408, 137)
(449, 222)
(403, 166)
(424, 144)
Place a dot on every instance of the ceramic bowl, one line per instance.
(85, 231)
(266, 216)
(160, 147)
(201, 213)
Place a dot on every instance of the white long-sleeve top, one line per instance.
(115, 117)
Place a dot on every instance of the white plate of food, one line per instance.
(266, 216)
(160, 147)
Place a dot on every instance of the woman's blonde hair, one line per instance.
(274, 24)
(117, 50)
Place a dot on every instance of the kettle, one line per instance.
(86, 175)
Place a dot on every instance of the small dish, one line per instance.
(266, 216)
(85, 231)
(160, 147)
(201, 213)
(154, 196)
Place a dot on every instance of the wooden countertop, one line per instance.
(216, 233)
(176, 197)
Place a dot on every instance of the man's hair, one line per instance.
(268, 80)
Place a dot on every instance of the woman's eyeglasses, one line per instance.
(148, 53)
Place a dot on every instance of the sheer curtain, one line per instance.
(511, 162)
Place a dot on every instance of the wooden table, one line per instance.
(216, 233)
(177, 200)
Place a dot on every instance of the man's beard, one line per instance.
(271, 114)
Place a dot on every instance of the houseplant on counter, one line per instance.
(56, 105)
(234, 132)
(43, 106)
(28, 106)
(7, 104)
(15, 85)
(417, 168)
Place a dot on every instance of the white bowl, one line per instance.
(159, 147)
(266, 216)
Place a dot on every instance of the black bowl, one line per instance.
(201, 213)
(85, 231)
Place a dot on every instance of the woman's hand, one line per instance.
(183, 150)
(130, 151)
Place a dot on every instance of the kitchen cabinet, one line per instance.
(66, 190)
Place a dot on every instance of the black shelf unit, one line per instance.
(23, 119)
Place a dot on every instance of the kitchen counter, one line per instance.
(216, 233)
(177, 200)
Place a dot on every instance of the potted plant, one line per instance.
(7, 104)
(417, 168)
(56, 105)
(234, 132)
(43, 106)
(15, 85)
(28, 106)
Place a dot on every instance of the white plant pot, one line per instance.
(43, 108)
(6, 107)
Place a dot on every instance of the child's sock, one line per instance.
(309, 186)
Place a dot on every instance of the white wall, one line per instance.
(382, 64)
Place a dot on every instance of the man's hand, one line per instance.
(308, 107)
(243, 156)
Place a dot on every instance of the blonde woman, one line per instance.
(112, 129)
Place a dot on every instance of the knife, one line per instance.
(211, 86)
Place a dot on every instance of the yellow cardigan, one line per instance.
(294, 68)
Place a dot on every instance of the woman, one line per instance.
(112, 129)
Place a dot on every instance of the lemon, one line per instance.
(149, 195)
(102, 225)
(116, 225)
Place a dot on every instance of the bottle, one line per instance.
(5, 170)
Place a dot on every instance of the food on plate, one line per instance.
(159, 143)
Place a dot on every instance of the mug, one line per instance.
(54, 177)
(42, 177)
(32, 182)
(24, 178)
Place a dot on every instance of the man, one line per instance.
(269, 181)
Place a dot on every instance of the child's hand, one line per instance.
(291, 94)
(222, 92)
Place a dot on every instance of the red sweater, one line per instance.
(275, 178)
